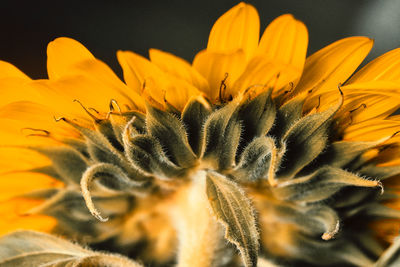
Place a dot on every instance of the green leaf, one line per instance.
(380, 172)
(62, 159)
(304, 141)
(145, 153)
(257, 115)
(391, 256)
(193, 116)
(320, 185)
(340, 154)
(112, 178)
(254, 163)
(234, 211)
(312, 220)
(286, 116)
(32, 249)
(172, 136)
(221, 137)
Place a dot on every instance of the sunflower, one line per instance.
(252, 155)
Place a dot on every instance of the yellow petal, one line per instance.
(221, 70)
(385, 68)
(379, 99)
(13, 218)
(16, 89)
(238, 28)
(180, 93)
(19, 120)
(178, 68)
(262, 72)
(141, 74)
(16, 184)
(67, 58)
(8, 70)
(18, 159)
(285, 40)
(333, 64)
(62, 54)
(366, 107)
(371, 130)
(362, 101)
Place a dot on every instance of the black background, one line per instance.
(180, 27)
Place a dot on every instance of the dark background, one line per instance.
(180, 27)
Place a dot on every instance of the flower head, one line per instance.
(252, 152)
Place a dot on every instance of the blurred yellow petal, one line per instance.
(8, 70)
(221, 70)
(16, 184)
(18, 159)
(13, 217)
(334, 64)
(385, 68)
(285, 40)
(238, 28)
(62, 54)
(178, 68)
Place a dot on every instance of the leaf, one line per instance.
(255, 161)
(193, 116)
(312, 220)
(221, 136)
(380, 172)
(262, 262)
(112, 178)
(391, 256)
(287, 115)
(341, 153)
(305, 140)
(145, 153)
(233, 210)
(62, 159)
(171, 134)
(320, 185)
(257, 115)
(33, 249)
(71, 203)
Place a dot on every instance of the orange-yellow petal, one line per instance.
(64, 53)
(221, 70)
(19, 183)
(384, 68)
(362, 101)
(20, 120)
(13, 217)
(180, 93)
(371, 100)
(371, 130)
(8, 70)
(140, 74)
(238, 28)
(285, 41)
(262, 72)
(178, 68)
(332, 65)
(70, 61)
